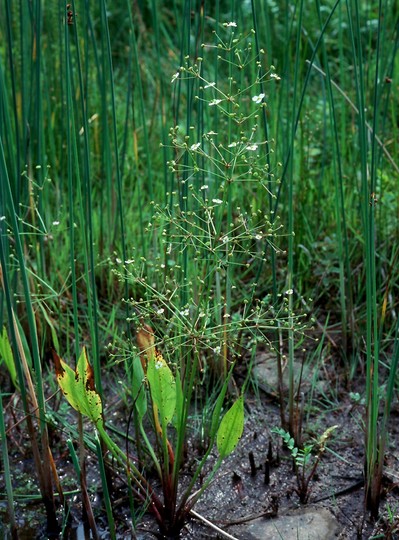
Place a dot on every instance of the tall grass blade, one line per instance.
(7, 472)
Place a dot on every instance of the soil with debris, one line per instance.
(254, 495)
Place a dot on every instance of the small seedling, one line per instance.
(306, 459)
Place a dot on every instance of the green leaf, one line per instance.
(25, 346)
(231, 428)
(78, 386)
(138, 388)
(51, 325)
(162, 387)
(7, 356)
(219, 404)
(180, 399)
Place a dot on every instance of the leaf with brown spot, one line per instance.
(146, 342)
(78, 386)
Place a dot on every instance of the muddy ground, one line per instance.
(262, 490)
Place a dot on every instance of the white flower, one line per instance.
(160, 311)
(232, 145)
(185, 312)
(258, 237)
(158, 365)
(229, 24)
(203, 188)
(217, 201)
(258, 99)
(252, 147)
(214, 102)
(289, 292)
(275, 76)
(55, 223)
(211, 133)
(225, 239)
(195, 146)
(210, 85)
(217, 349)
(175, 76)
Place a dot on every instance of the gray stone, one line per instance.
(265, 372)
(312, 524)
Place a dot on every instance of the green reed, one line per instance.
(104, 229)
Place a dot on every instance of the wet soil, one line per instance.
(256, 483)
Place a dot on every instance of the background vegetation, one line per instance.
(223, 171)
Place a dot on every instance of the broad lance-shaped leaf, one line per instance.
(162, 387)
(231, 428)
(78, 386)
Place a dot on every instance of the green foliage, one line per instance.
(215, 234)
(271, 186)
(162, 388)
(78, 387)
(231, 428)
(306, 459)
(165, 392)
(7, 356)
(301, 456)
(138, 388)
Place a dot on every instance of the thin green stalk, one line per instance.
(289, 149)
(228, 185)
(188, 387)
(87, 214)
(74, 457)
(42, 458)
(117, 167)
(217, 412)
(7, 472)
(73, 158)
(373, 484)
(342, 240)
(26, 291)
(162, 110)
(372, 492)
(388, 402)
(293, 422)
(38, 153)
(16, 145)
(265, 126)
(106, 495)
(143, 114)
(124, 461)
